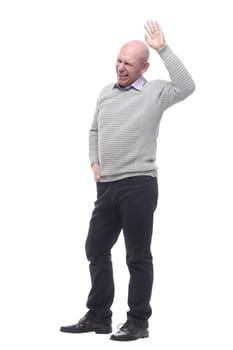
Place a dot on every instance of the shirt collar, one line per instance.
(137, 84)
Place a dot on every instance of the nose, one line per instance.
(121, 67)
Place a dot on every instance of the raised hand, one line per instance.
(154, 37)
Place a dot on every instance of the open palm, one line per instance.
(154, 36)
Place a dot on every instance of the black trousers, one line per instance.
(126, 205)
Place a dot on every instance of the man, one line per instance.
(122, 155)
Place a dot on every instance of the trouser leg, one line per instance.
(104, 229)
(138, 204)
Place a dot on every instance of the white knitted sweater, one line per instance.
(125, 127)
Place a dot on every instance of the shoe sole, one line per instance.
(97, 331)
(143, 335)
(102, 331)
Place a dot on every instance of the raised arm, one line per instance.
(181, 84)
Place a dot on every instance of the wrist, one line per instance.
(162, 47)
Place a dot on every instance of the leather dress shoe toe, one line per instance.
(129, 331)
(86, 325)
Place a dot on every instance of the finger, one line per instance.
(158, 26)
(147, 39)
(150, 26)
(147, 29)
(97, 175)
(155, 26)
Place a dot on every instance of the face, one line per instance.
(129, 65)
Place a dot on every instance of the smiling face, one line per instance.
(131, 62)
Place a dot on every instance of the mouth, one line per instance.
(122, 76)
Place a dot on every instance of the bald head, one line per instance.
(137, 49)
(132, 62)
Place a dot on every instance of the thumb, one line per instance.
(146, 38)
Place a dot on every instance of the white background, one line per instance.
(55, 57)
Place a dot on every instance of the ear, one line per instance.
(145, 67)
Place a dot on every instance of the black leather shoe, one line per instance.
(86, 325)
(130, 332)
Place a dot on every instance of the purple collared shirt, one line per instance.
(137, 84)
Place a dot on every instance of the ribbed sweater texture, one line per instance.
(125, 127)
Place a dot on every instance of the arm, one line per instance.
(181, 84)
(93, 148)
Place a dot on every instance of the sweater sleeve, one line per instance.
(181, 84)
(93, 139)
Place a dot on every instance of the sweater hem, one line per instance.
(110, 178)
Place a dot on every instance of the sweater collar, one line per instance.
(137, 84)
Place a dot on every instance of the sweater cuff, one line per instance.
(93, 160)
(165, 52)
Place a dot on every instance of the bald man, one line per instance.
(122, 151)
